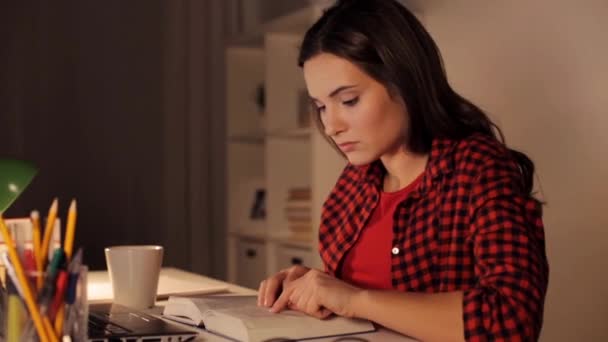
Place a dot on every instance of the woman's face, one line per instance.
(356, 111)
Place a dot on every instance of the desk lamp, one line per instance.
(15, 175)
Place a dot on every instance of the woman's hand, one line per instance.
(318, 294)
(270, 288)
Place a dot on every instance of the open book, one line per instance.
(239, 318)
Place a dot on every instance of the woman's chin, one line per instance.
(359, 159)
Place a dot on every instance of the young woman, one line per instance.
(431, 229)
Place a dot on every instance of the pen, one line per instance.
(29, 264)
(60, 287)
(48, 231)
(70, 295)
(35, 217)
(74, 270)
(68, 246)
(49, 291)
(27, 292)
(48, 288)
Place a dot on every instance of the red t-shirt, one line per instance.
(368, 263)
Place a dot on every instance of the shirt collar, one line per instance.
(440, 163)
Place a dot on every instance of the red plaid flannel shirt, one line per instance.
(467, 227)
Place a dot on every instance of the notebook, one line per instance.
(99, 288)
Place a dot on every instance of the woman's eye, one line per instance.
(351, 102)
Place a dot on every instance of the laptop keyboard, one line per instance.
(102, 327)
(120, 324)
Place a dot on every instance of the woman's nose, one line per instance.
(332, 123)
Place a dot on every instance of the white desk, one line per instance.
(176, 281)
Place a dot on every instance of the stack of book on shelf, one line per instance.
(298, 213)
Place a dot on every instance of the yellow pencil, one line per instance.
(48, 232)
(25, 286)
(59, 320)
(37, 252)
(68, 247)
(49, 329)
(70, 230)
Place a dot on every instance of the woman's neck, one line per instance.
(402, 168)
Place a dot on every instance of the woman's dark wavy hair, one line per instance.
(387, 42)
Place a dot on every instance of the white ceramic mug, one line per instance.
(134, 273)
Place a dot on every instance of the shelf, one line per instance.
(301, 241)
(295, 133)
(257, 234)
(292, 240)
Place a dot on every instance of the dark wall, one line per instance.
(81, 96)
(270, 9)
(120, 104)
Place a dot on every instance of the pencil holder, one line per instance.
(63, 314)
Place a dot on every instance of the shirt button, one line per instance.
(395, 250)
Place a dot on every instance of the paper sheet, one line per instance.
(99, 287)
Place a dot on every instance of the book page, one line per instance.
(255, 317)
(223, 302)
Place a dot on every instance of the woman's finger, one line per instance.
(261, 293)
(282, 302)
(273, 286)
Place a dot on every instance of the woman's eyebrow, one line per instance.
(337, 91)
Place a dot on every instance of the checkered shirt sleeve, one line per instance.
(511, 267)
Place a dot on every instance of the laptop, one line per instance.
(113, 322)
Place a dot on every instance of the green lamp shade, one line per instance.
(15, 175)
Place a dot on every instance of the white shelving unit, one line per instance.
(245, 160)
(276, 151)
(280, 154)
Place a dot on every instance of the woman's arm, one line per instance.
(427, 317)
(510, 268)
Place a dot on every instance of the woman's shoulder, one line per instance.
(473, 157)
(481, 146)
(479, 152)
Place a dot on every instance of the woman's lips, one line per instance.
(347, 146)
